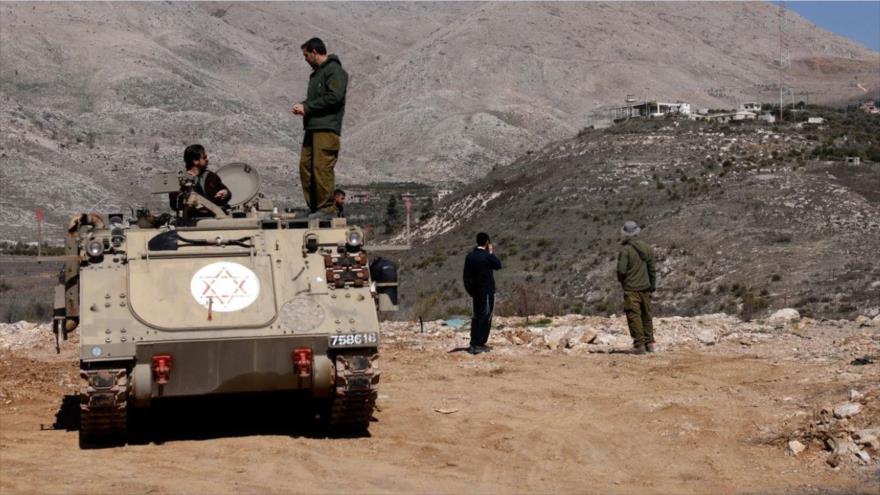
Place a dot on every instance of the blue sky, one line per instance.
(858, 21)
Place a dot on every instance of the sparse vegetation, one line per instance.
(27, 249)
(730, 185)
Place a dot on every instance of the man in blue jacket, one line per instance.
(479, 282)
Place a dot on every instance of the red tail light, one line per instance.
(162, 368)
(302, 362)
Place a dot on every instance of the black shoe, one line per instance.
(475, 349)
(649, 347)
(638, 349)
(483, 348)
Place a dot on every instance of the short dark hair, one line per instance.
(315, 45)
(192, 153)
(482, 239)
(337, 192)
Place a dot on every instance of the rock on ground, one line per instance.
(795, 447)
(847, 409)
(783, 316)
(706, 336)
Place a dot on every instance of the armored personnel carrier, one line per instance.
(245, 300)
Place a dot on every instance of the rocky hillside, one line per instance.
(96, 96)
(744, 219)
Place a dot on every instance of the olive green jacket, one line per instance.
(635, 266)
(325, 99)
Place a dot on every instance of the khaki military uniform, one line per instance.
(317, 164)
(637, 274)
(324, 109)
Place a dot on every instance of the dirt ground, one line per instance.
(691, 418)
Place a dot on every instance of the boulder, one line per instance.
(795, 447)
(557, 338)
(605, 339)
(589, 336)
(847, 409)
(574, 337)
(841, 445)
(519, 336)
(706, 336)
(868, 437)
(784, 316)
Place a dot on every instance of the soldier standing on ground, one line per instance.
(479, 282)
(636, 273)
(322, 112)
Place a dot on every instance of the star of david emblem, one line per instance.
(223, 287)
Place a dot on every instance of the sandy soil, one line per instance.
(691, 418)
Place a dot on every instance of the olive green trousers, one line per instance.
(637, 306)
(320, 150)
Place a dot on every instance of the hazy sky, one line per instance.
(859, 21)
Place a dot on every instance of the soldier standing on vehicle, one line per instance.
(479, 282)
(322, 112)
(636, 273)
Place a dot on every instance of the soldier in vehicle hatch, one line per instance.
(322, 112)
(637, 275)
(206, 183)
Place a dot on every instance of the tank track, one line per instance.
(354, 400)
(103, 408)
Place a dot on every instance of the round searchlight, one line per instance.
(354, 239)
(95, 249)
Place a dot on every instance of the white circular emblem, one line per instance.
(225, 287)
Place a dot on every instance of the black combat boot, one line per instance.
(638, 348)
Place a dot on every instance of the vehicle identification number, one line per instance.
(354, 340)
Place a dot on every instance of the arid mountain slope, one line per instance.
(744, 219)
(94, 96)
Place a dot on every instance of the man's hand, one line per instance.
(193, 172)
(490, 247)
(299, 109)
(222, 194)
(191, 200)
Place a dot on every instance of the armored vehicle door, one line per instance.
(199, 292)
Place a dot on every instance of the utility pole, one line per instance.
(407, 204)
(39, 215)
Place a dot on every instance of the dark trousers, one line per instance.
(481, 323)
(637, 306)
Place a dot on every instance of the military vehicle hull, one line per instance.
(254, 303)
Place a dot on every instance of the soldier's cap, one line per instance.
(630, 228)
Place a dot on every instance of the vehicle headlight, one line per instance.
(354, 239)
(95, 249)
